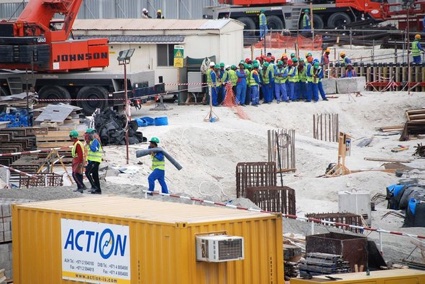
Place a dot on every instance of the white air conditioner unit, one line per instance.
(219, 248)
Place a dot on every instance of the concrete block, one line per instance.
(5, 210)
(356, 203)
(6, 259)
(4, 177)
(329, 85)
(350, 85)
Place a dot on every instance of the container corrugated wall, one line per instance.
(110, 9)
(161, 244)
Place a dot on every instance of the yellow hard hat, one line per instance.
(159, 11)
(328, 50)
(342, 53)
(417, 36)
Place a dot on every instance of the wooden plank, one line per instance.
(415, 111)
(417, 116)
(388, 160)
(53, 144)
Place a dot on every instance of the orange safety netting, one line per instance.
(230, 101)
(276, 40)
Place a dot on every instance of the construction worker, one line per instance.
(345, 59)
(241, 84)
(77, 153)
(417, 49)
(94, 158)
(248, 69)
(302, 80)
(145, 14)
(158, 167)
(309, 81)
(159, 14)
(255, 82)
(314, 72)
(215, 84)
(319, 74)
(266, 84)
(349, 72)
(306, 23)
(281, 76)
(233, 78)
(325, 56)
(221, 87)
(209, 81)
(293, 79)
(262, 19)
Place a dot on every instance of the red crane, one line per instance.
(36, 41)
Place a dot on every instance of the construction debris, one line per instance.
(414, 125)
(420, 150)
(317, 263)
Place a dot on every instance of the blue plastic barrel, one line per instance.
(141, 122)
(163, 120)
(149, 120)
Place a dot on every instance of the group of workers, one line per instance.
(86, 158)
(286, 79)
(145, 14)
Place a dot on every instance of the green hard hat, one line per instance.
(154, 140)
(266, 64)
(280, 62)
(262, 11)
(233, 67)
(217, 66)
(316, 64)
(249, 66)
(245, 65)
(255, 65)
(90, 130)
(292, 55)
(301, 60)
(222, 64)
(73, 134)
(294, 59)
(306, 10)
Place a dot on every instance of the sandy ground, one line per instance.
(209, 152)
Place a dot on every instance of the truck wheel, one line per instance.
(90, 98)
(54, 94)
(318, 22)
(249, 25)
(338, 20)
(275, 23)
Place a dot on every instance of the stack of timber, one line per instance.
(59, 121)
(414, 125)
(323, 263)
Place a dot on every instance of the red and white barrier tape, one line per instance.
(313, 220)
(33, 152)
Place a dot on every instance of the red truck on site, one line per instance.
(38, 53)
(327, 14)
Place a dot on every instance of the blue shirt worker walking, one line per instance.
(417, 49)
(158, 168)
(263, 24)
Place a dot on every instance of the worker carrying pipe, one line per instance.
(158, 164)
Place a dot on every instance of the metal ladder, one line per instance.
(295, 17)
(15, 85)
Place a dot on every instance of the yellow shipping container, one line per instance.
(101, 239)
(395, 276)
